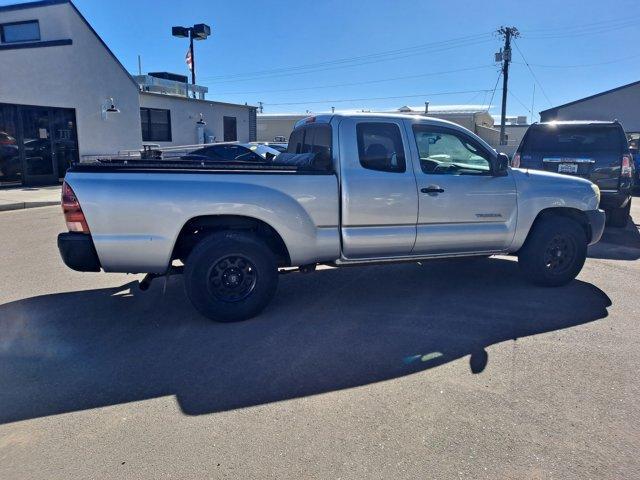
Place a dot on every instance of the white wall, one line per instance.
(81, 76)
(186, 112)
(622, 105)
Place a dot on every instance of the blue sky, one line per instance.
(261, 51)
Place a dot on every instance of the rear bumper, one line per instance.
(78, 252)
(596, 219)
(610, 200)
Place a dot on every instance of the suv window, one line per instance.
(380, 146)
(447, 152)
(573, 139)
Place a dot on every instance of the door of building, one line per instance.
(230, 129)
(37, 144)
(39, 160)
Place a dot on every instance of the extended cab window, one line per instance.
(380, 146)
(447, 152)
(314, 138)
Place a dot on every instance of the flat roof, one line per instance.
(188, 99)
(606, 92)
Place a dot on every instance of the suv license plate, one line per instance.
(567, 168)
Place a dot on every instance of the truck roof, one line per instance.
(326, 118)
(577, 122)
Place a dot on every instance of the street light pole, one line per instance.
(199, 31)
(193, 62)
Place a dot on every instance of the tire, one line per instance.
(539, 259)
(230, 276)
(619, 217)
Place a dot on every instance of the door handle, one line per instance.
(432, 189)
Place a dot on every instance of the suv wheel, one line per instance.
(554, 252)
(619, 217)
(230, 276)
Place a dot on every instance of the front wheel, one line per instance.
(230, 276)
(554, 252)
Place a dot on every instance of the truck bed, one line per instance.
(136, 210)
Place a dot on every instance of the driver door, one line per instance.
(463, 207)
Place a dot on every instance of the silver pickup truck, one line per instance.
(351, 189)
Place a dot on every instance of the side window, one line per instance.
(295, 141)
(380, 146)
(449, 153)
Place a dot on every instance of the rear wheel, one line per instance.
(554, 252)
(230, 276)
(619, 217)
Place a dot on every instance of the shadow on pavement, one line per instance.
(334, 329)
(618, 243)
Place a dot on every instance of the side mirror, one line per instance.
(502, 163)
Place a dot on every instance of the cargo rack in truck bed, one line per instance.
(176, 159)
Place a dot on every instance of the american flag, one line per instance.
(189, 60)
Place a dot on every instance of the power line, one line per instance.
(376, 98)
(582, 26)
(535, 79)
(361, 60)
(520, 102)
(366, 82)
(494, 89)
(624, 59)
(579, 32)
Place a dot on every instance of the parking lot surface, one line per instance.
(448, 369)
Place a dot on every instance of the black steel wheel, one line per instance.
(554, 251)
(560, 254)
(230, 276)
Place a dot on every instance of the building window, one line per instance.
(156, 125)
(20, 32)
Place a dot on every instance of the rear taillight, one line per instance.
(625, 171)
(72, 211)
(515, 161)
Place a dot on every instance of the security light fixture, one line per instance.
(180, 32)
(108, 106)
(201, 121)
(201, 31)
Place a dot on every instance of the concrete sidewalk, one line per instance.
(29, 197)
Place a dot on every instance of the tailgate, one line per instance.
(602, 168)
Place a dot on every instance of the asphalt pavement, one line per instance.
(447, 369)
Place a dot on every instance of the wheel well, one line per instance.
(573, 213)
(199, 227)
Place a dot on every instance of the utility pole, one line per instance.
(507, 33)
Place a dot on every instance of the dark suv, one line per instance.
(597, 151)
